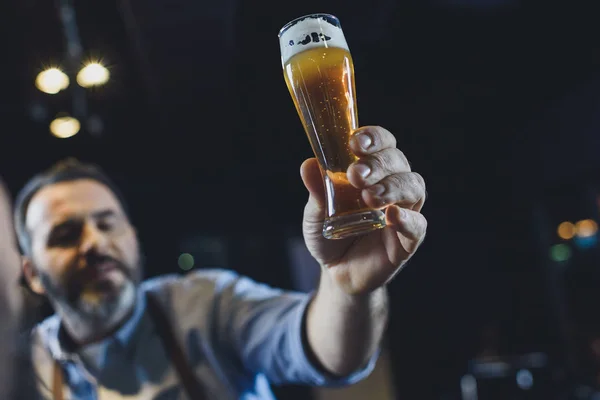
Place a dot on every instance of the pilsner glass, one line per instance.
(319, 74)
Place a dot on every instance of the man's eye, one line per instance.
(106, 226)
(65, 235)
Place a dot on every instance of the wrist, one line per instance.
(334, 293)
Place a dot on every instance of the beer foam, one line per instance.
(308, 33)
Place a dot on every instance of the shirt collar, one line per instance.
(125, 333)
(54, 337)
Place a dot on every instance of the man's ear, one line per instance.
(32, 276)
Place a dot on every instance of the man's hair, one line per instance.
(67, 170)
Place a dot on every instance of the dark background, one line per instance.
(495, 102)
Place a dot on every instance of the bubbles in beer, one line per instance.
(323, 93)
(346, 198)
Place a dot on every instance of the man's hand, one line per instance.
(362, 264)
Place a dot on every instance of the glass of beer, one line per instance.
(319, 74)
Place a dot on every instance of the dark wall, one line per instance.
(491, 105)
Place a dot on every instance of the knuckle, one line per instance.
(382, 137)
(412, 181)
(376, 164)
(423, 223)
(393, 142)
(384, 161)
(408, 185)
(388, 162)
(418, 225)
(395, 183)
(400, 158)
(419, 180)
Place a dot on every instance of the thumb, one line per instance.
(313, 180)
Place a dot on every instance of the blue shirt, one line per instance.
(239, 336)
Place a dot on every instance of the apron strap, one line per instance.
(187, 377)
(57, 382)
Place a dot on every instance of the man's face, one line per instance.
(83, 249)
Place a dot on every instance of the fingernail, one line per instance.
(377, 190)
(364, 140)
(362, 169)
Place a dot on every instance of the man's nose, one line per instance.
(92, 240)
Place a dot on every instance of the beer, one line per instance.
(323, 93)
(319, 73)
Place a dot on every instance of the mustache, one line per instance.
(97, 263)
(94, 265)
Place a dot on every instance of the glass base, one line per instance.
(346, 226)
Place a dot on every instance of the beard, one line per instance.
(95, 305)
(93, 294)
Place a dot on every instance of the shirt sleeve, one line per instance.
(264, 327)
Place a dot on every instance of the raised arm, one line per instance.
(347, 318)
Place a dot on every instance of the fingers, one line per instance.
(383, 171)
(371, 169)
(410, 224)
(405, 189)
(371, 139)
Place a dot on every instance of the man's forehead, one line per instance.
(64, 199)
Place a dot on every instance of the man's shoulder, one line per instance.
(202, 277)
(200, 285)
(193, 298)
